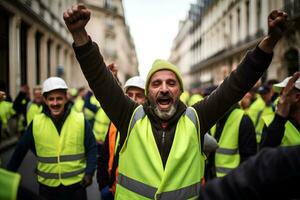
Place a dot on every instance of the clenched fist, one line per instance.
(76, 19)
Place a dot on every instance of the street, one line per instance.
(29, 179)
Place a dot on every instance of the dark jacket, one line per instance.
(272, 174)
(119, 107)
(27, 142)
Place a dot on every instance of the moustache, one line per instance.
(164, 95)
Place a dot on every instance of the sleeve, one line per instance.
(88, 104)
(90, 149)
(26, 142)
(273, 134)
(272, 174)
(115, 103)
(247, 139)
(233, 88)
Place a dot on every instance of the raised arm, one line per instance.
(244, 77)
(117, 106)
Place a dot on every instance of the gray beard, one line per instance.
(165, 115)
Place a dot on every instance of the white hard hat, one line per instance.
(54, 83)
(283, 83)
(135, 81)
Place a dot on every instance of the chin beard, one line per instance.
(165, 115)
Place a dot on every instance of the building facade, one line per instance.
(223, 31)
(108, 29)
(36, 44)
(180, 53)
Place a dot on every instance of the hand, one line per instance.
(76, 19)
(106, 194)
(277, 25)
(287, 97)
(86, 181)
(113, 68)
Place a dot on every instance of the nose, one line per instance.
(164, 87)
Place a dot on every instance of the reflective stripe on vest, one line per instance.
(61, 156)
(227, 155)
(149, 191)
(291, 135)
(145, 177)
(58, 176)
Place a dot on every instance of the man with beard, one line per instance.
(283, 127)
(162, 140)
(63, 143)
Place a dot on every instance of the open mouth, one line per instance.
(164, 102)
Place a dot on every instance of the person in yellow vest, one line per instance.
(235, 134)
(34, 107)
(283, 127)
(6, 112)
(63, 143)
(161, 141)
(9, 183)
(267, 108)
(107, 171)
(20, 106)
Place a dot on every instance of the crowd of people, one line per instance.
(152, 139)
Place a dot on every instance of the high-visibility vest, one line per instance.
(9, 184)
(141, 171)
(255, 107)
(194, 99)
(78, 104)
(291, 135)
(32, 110)
(61, 157)
(184, 97)
(89, 114)
(101, 125)
(227, 156)
(6, 111)
(259, 124)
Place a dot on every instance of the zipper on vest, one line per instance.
(163, 138)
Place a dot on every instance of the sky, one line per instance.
(153, 27)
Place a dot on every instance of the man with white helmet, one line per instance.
(282, 127)
(63, 143)
(107, 171)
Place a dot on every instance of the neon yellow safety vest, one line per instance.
(61, 157)
(33, 109)
(255, 107)
(9, 182)
(259, 125)
(90, 115)
(194, 99)
(6, 111)
(78, 104)
(141, 172)
(291, 135)
(227, 156)
(184, 97)
(101, 125)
